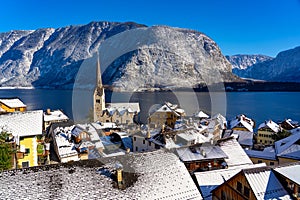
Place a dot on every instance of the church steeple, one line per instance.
(99, 95)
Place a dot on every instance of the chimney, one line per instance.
(128, 150)
(119, 168)
(48, 112)
(148, 134)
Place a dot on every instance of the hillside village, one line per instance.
(173, 156)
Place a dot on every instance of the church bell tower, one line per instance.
(99, 95)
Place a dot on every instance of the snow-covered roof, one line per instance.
(200, 152)
(234, 151)
(130, 106)
(244, 137)
(13, 103)
(264, 184)
(209, 180)
(290, 171)
(23, 124)
(104, 125)
(55, 115)
(269, 124)
(268, 155)
(153, 175)
(201, 114)
(244, 121)
(289, 147)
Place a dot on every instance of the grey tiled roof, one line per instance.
(151, 175)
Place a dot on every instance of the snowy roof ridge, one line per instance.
(12, 102)
(270, 124)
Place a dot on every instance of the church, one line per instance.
(119, 113)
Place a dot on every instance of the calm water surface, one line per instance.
(258, 105)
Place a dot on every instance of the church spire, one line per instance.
(99, 95)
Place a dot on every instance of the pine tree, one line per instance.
(6, 152)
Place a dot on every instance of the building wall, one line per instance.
(158, 119)
(261, 160)
(265, 137)
(140, 144)
(8, 109)
(126, 118)
(229, 190)
(31, 157)
(286, 160)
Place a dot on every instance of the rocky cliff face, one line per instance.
(285, 67)
(52, 57)
(241, 62)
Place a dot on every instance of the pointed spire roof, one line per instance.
(98, 72)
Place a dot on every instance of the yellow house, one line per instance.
(265, 132)
(26, 128)
(11, 105)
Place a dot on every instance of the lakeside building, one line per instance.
(242, 123)
(119, 113)
(8, 105)
(27, 128)
(265, 132)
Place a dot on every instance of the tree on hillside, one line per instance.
(6, 152)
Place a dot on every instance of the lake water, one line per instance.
(260, 106)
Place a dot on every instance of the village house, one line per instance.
(54, 116)
(253, 183)
(207, 181)
(242, 123)
(27, 128)
(288, 124)
(141, 141)
(289, 177)
(120, 113)
(166, 115)
(286, 150)
(265, 132)
(9, 105)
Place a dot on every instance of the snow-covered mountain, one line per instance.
(285, 67)
(241, 62)
(170, 56)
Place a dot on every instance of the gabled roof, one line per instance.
(13, 102)
(209, 180)
(290, 171)
(264, 184)
(268, 155)
(244, 121)
(284, 144)
(234, 151)
(130, 106)
(22, 124)
(244, 137)
(201, 114)
(270, 124)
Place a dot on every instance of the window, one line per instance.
(98, 101)
(134, 138)
(25, 164)
(223, 195)
(259, 161)
(149, 143)
(27, 151)
(136, 148)
(157, 146)
(271, 163)
(239, 186)
(246, 191)
(143, 141)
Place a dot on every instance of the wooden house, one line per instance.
(242, 123)
(255, 183)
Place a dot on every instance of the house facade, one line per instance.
(265, 132)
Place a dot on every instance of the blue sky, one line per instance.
(238, 26)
